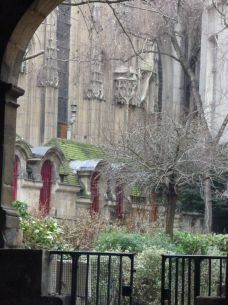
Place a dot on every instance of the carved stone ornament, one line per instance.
(125, 86)
(48, 77)
(95, 88)
(48, 74)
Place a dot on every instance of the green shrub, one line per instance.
(124, 241)
(187, 243)
(39, 231)
(22, 208)
(121, 241)
(147, 282)
(220, 241)
(162, 241)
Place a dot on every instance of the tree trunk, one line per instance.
(208, 205)
(170, 210)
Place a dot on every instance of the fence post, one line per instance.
(74, 279)
(163, 279)
(132, 278)
(197, 273)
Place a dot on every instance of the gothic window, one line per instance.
(29, 172)
(94, 188)
(45, 192)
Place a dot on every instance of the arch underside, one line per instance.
(19, 20)
(20, 23)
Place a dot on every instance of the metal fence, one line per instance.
(186, 277)
(92, 278)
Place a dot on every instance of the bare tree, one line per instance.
(174, 25)
(221, 7)
(161, 155)
(178, 24)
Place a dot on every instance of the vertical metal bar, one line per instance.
(176, 280)
(209, 276)
(109, 279)
(74, 278)
(120, 279)
(183, 280)
(163, 280)
(87, 279)
(197, 274)
(98, 279)
(189, 280)
(59, 288)
(220, 276)
(170, 280)
(131, 279)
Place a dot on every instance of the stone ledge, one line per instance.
(55, 300)
(9, 218)
(10, 233)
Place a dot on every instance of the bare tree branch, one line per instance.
(33, 55)
(123, 29)
(95, 1)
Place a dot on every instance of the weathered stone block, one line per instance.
(24, 278)
(11, 235)
(21, 270)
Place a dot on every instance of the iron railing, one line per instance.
(92, 278)
(186, 277)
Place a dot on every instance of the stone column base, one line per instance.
(10, 233)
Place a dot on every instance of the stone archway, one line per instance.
(18, 22)
(21, 35)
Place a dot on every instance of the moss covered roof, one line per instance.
(73, 151)
(135, 191)
(76, 151)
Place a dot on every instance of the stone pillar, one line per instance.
(9, 221)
